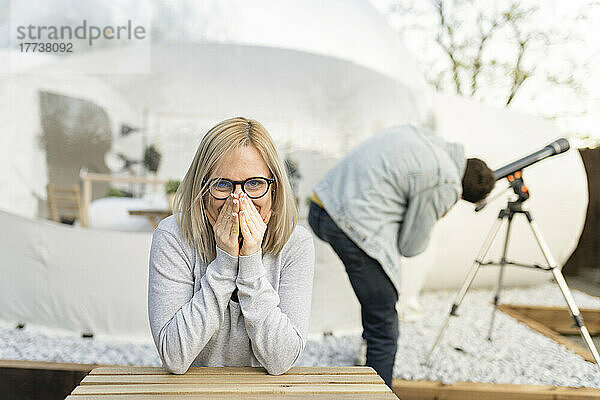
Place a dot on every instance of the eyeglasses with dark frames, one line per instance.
(255, 187)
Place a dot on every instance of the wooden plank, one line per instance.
(232, 382)
(233, 379)
(244, 396)
(133, 370)
(65, 200)
(152, 213)
(87, 199)
(559, 319)
(57, 190)
(169, 388)
(535, 325)
(425, 390)
(96, 177)
(68, 206)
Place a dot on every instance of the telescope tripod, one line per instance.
(513, 208)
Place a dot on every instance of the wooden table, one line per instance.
(155, 216)
(112, 383)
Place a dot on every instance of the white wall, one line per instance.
(75, 279)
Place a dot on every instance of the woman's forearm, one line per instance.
(182, 322)
(276, 322)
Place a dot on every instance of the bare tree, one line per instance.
(515, 18)
(467, 34)
(446, 39)
(485, 33)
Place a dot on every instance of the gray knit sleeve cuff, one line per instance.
(251, 267)
(225, 263)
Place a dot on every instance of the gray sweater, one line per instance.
(194, 321)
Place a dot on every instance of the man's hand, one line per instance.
(227, 226)
(251, 225)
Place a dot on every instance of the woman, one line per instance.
(231, 272)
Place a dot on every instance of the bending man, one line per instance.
(379, 203)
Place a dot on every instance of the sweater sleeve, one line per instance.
(423, 211)
(277, 322)
(181, 321)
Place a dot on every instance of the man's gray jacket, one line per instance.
(387, 193)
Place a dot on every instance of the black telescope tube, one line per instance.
(558, 146)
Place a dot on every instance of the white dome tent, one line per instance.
(319, 90)
(305, 109)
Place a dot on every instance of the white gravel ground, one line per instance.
(517, 354)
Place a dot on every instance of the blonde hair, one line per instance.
(189, 203)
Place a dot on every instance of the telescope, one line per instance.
(513, 170)
(514, 174)
(558, 146)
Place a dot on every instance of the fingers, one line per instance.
(235, 214)
(236, 205)
(247, 216)
(233, 217)
(248, 223)
(226, 227)
(234, 230)
(252, 226)
(228, 206)
(244, 225)
(252, 222)
(249, 207)
(224, 213)
(210, 217)
(231, 205)
(255, 221)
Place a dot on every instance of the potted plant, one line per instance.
(171, 188)
(152, 158)
(116, 192)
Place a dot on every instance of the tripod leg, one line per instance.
(566, 292)
(500, 276)
(469, 280)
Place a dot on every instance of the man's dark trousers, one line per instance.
(373, 288)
